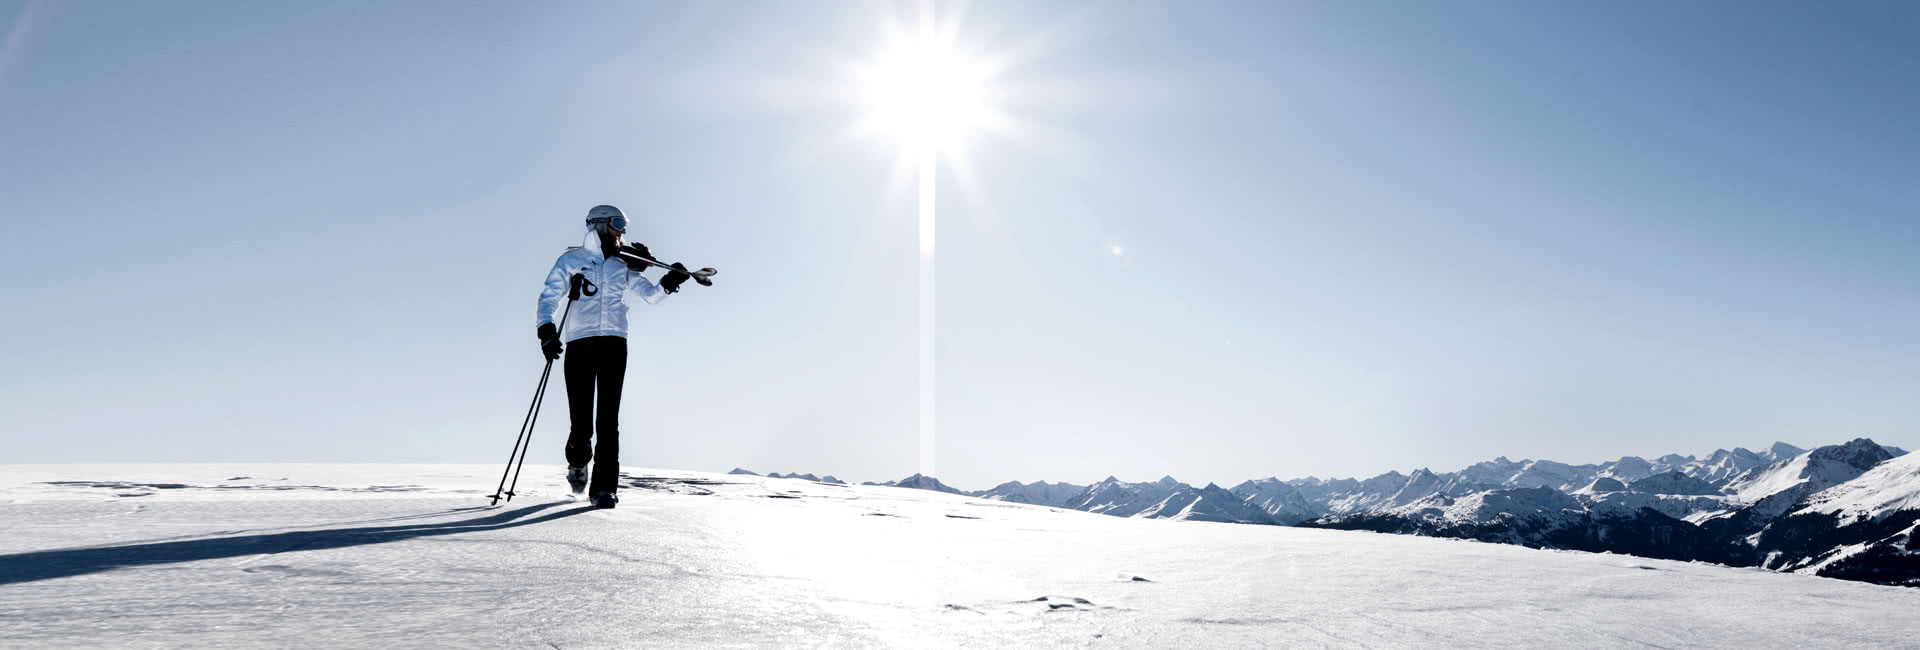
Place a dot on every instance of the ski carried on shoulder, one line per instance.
(641, 254)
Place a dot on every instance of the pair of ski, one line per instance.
(702, 276)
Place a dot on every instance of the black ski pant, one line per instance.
(596, 362)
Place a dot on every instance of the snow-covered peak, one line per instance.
(742, 472)
(1809, 471)
(1339, 484)
(1630, 504)
(1420, 483)
(1783, 451)
(919, 482)
(1280, 500)
(1858, 452)
(1253, 486)
(1890, 486)
(1629, 468)
(1348, 496)
(1491, 472)
(1037, 493)
(1115, 497)
(804, 477)
(1722, 465)
(1673, 460)
(1603, 484)
(1388, 482)
(1210, 503)
(1550, 474)
(1673, 482)
(1492, 505)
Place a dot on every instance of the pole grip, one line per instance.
(579, 286)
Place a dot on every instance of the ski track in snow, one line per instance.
(353, 556)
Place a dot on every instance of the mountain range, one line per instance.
(1849, 510)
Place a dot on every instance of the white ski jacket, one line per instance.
(605, 312)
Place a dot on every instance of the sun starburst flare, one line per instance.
(926, 94)
(935, 96)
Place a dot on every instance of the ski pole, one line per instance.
(577, 286)
(524, 440)
(538, 399)
(520, 439)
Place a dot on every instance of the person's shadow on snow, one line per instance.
(61, 563)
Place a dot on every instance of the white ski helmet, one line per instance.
(609, 215)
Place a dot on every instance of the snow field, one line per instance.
(317, 556)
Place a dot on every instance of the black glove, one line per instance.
(671, 283)
(549, 341)
(631, 254)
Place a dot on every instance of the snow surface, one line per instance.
(395, 556)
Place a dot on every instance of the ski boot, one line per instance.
(577, 479)
(604, 500)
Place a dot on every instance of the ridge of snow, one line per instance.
(1811, 471)
(1890, 486)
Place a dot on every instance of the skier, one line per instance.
(596, 343)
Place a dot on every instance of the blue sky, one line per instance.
(1354, 236)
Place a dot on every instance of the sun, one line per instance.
(921, 90)
(925, 93)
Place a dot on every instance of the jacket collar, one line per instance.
(591, 244)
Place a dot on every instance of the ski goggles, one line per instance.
(617, 223)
